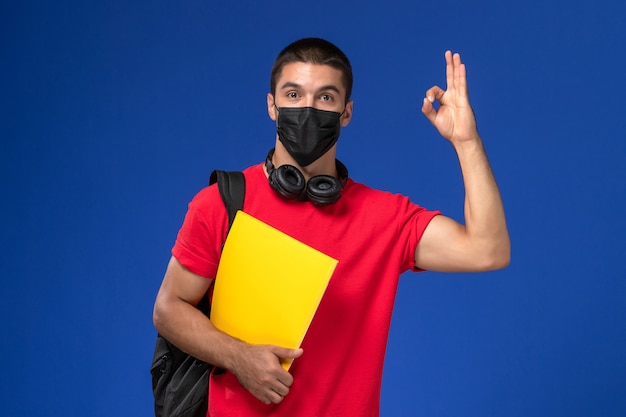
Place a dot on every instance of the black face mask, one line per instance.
(306, 132)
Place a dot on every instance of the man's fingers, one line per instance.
(457, 80)
(428, 110)
(285, 353)
(270, 396)
(449, 69)
(434, 93)
(283, 380)
(462, 80)
(275, 398)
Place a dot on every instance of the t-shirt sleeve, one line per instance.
(412, 224)
(199, 241)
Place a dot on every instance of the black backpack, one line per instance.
(180, 382)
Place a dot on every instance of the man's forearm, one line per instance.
(191, 331)
(485, 221)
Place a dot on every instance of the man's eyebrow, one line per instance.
(290, 84)
(329, 87)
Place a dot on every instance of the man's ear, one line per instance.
(271, 108)
(347, 114)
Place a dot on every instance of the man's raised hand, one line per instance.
(454, 119)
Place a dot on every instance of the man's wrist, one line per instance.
(470, 145)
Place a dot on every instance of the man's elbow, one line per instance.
(497, 258)
(156, 319)
(500, 262)
(158, 315)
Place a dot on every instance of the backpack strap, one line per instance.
(232, 187)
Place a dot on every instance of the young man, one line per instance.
(375, 235)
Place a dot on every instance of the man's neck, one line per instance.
(325, 165)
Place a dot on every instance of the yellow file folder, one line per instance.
(268, 285)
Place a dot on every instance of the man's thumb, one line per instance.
(287, 353)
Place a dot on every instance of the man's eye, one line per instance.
(292, 94)
(327, 97)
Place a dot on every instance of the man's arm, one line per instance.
(483, 243)
(257, 367)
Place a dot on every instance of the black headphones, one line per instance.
(289, 182)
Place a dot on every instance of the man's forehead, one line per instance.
(310, 75)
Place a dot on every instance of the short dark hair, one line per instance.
(315, 51)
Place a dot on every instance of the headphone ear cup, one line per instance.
(288, 181)
(323, 189)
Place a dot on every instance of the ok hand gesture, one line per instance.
(454, 119)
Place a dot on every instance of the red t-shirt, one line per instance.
(374, 235)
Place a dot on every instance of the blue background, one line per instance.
(113, 114)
